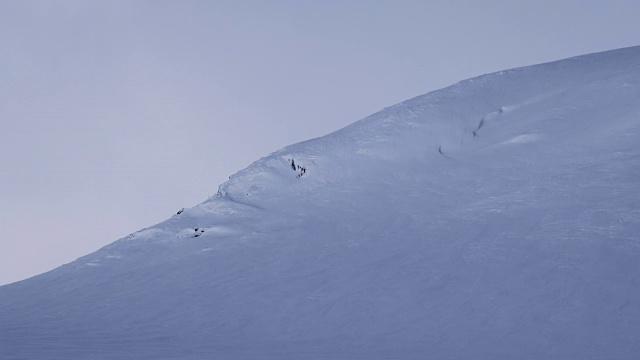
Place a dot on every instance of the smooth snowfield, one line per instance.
(498, 218)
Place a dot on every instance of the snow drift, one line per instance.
(495, 218)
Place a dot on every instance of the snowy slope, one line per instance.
(496, 218)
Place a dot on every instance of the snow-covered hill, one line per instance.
(498, 218)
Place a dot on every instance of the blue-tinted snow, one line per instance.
(498, 218)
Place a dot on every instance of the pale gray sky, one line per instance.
(116, 114)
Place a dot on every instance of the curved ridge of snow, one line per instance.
(439, 122)
(495, 218)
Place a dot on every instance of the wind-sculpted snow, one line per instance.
(498, 218)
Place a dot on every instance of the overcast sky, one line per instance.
(116, 114)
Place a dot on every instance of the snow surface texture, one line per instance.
(498, 218)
